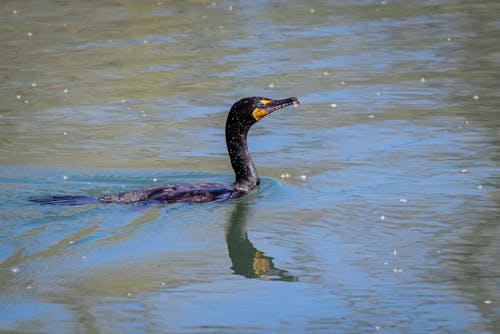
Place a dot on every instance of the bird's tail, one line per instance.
(65, 200)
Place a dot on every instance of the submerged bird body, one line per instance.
(243, 114)
(175, 193)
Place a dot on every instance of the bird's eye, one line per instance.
(259, 104)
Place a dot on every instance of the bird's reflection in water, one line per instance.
(247, 260)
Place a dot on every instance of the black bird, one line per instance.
(243, 114)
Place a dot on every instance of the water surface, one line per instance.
(379, 203)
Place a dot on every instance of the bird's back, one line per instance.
(175, 193)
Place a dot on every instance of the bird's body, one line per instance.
(175, 193)
(241, 117)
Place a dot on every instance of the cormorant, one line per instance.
(243, 114)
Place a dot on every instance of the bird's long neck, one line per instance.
(244, 169)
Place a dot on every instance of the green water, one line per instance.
(379, 204)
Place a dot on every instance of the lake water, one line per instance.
(378, 209)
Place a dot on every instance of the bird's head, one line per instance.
(248, 111)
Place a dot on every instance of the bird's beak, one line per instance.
(268, 106)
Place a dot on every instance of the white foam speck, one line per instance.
(14, 270)
(480, 186)
(422, 80)
(230, 8)
(333, 105)
(487, 302)
(465, 170)
(33, 84)
(30, 34)
(155, 180)
(84, 257)
(65, 177)
(303, 177)
(312, 10)
(475, 97)
(285, 176)
(382, 217)
(123, 100)
(271, 85)
(65, 90)
(326, 73)
(18, 97)
(395, 252)
(65, 133)
(372, 116)
(403, 200)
